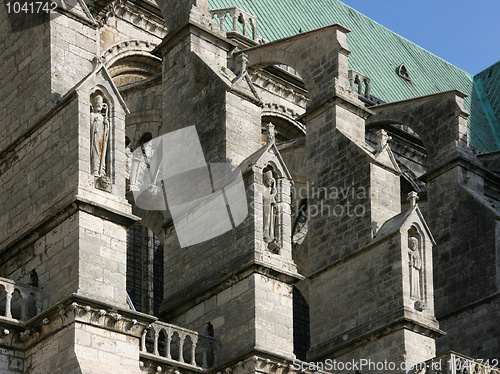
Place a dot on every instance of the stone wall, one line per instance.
(74, 45)
(385, 195)
(190, 270)
(461, 217)
(40, 173)
(366, 287)
(11, 361)
(466, 331)
(47, 179)
(145, 106)
(54, 355)
(195, 76)
(466, 243)
(102, 259)
(80, 335)
(54, 257)
(465, 263)
(25, 93)
(396, 353)
(228, 126)
(252, 313)
(334, 164)
(83, 254)
(126, 25)
(227, 116)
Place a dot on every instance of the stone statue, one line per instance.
(146, 169)
(301, 226)
(128, 161)
(135, 169)
(269, 204)
(99, 137)
(382, 139)
(415, 269)
(271, 133)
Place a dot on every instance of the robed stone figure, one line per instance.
(269, 203)
(99, 137)
(415, 269)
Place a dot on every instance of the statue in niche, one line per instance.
(128, 161)
(99, 124)
(300, 227)
(271, 133)
(146, 169)
(415, 269)
(269, 208)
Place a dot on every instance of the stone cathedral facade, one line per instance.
(193, 186)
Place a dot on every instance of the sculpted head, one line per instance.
(413, 243)
(268, 178)
(98, 101)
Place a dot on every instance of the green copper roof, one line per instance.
(377, 53)
(487, 87)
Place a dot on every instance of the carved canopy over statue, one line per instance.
(99, 125)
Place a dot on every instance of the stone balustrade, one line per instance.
(454, 363)
(237, 15)
(19, 302)
(359, 82)
(176, 346)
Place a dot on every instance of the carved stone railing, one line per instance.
(19, 302)
(360, 83)
(454, 363)
(237, 15)
(173, 345)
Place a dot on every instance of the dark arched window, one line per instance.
(144, 269)
(301, 325)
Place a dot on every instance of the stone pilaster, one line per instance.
(239, 283)
(353, 199)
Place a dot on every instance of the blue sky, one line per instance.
(465, 33)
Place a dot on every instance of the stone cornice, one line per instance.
(111, 214)
(135, 15)
(9, 151)
(469, 306)
(260, 361)
(73, 309)
(256, 361)
(422, 98)
(251, 267)
(156, 365)
(37, 231)
(341, 345)
(280, 88)
(112, 53)
(58, 216)
(198, 25)
(341, 96)
(459, 159)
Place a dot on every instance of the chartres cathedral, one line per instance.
(242, 186)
